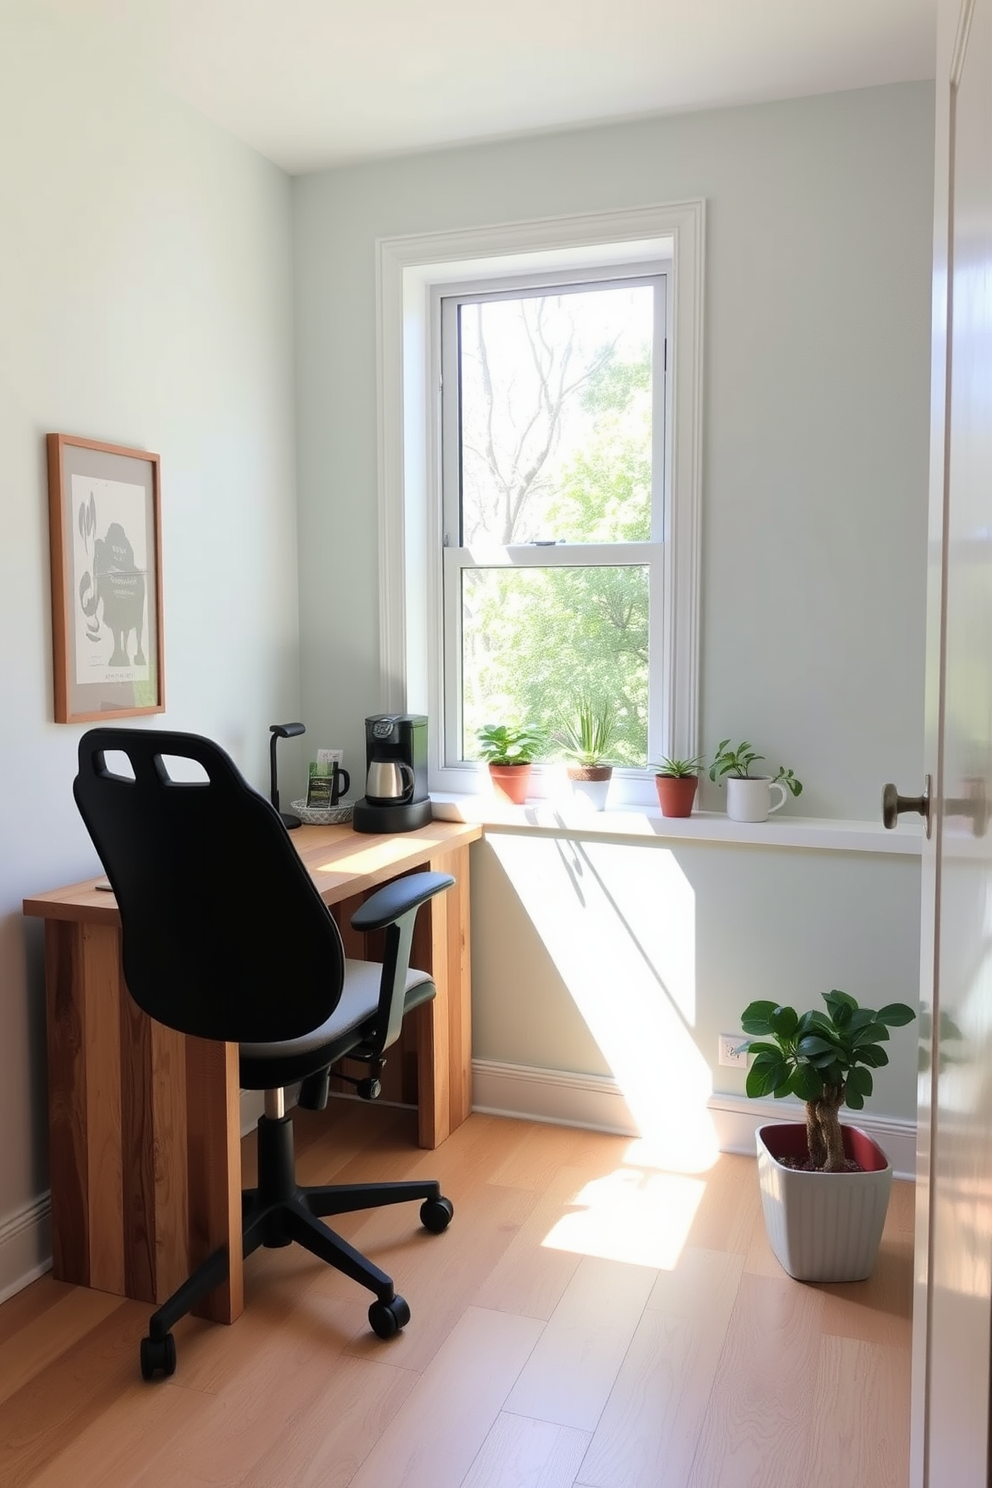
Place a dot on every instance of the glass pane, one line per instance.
(536, 641)
(556, 417)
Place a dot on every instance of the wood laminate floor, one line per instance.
(588, 1321)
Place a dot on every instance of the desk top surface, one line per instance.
(341, 862)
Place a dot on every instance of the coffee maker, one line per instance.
(396, 798)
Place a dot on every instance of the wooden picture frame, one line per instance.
(104, 511)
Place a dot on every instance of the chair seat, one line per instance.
(264, 1066)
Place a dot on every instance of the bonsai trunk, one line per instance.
(823, 1133)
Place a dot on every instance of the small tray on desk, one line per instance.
(320, 816)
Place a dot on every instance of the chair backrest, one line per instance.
(224, 933)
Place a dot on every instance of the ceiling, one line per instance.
(316, 83)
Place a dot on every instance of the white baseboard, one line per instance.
(25, 1246)
(518, 1091)
(597, 1103)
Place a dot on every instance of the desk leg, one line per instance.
(444, 1026)
(214, 1168)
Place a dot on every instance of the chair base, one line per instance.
(280, 1212)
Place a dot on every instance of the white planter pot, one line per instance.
(823, 1226)
(750, 800)
(591, 785)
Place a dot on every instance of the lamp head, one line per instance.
(287, 730)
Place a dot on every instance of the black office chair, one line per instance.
(226, 937)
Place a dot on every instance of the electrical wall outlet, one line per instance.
(727, 1053)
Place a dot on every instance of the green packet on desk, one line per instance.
(320, 790)
(327, 780)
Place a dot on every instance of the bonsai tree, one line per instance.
(738, 761)
(586, 736)
(509, 744)
(678, 769)
(825, 1059)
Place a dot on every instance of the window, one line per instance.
(532, 554)
(553, 501)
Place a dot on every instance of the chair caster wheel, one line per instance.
(158, 1356)
(435, 1214)
(387, 1318)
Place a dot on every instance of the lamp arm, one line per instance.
(273, 785)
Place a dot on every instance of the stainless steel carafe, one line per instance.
(389, 782)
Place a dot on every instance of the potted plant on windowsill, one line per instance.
(676, 781)
(749, 793)
(586, 737)
(824, 1187)
(510, 750)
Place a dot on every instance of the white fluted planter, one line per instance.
(823, 1226)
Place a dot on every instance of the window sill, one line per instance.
(648, 824)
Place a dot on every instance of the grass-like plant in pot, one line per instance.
(824, 1187)
(509, 750)
(585, 737)
(748, 790)
(676, 781)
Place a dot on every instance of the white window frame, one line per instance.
(409, 270)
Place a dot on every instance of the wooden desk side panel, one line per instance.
(156, 1205)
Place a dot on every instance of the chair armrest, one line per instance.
(393, 908)
(396, 899)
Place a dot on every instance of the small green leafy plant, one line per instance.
(586, 736)
(509, 744)
(826, 1059)
(678, 769)
(738, 761)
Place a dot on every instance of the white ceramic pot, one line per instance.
(823, 1226)
(591, 785)
(751, 800)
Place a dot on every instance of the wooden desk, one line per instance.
(145, 1123)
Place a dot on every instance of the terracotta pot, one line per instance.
(511, 782)
(676, 793)
(591, 784)
(823, 1226)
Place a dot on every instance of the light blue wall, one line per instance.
(816, 408)
(145, 299)
(615, 958)
(815, 440)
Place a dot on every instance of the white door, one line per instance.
(952, 1330)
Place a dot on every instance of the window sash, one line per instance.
(456, 558)
(457, 561)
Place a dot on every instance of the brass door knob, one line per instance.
(893, 805)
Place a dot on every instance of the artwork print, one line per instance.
(105, 517)
(109, 580)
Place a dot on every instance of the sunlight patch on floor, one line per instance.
(631, 1215)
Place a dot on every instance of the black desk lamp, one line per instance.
(282, 731)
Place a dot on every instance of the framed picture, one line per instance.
(106, 550)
